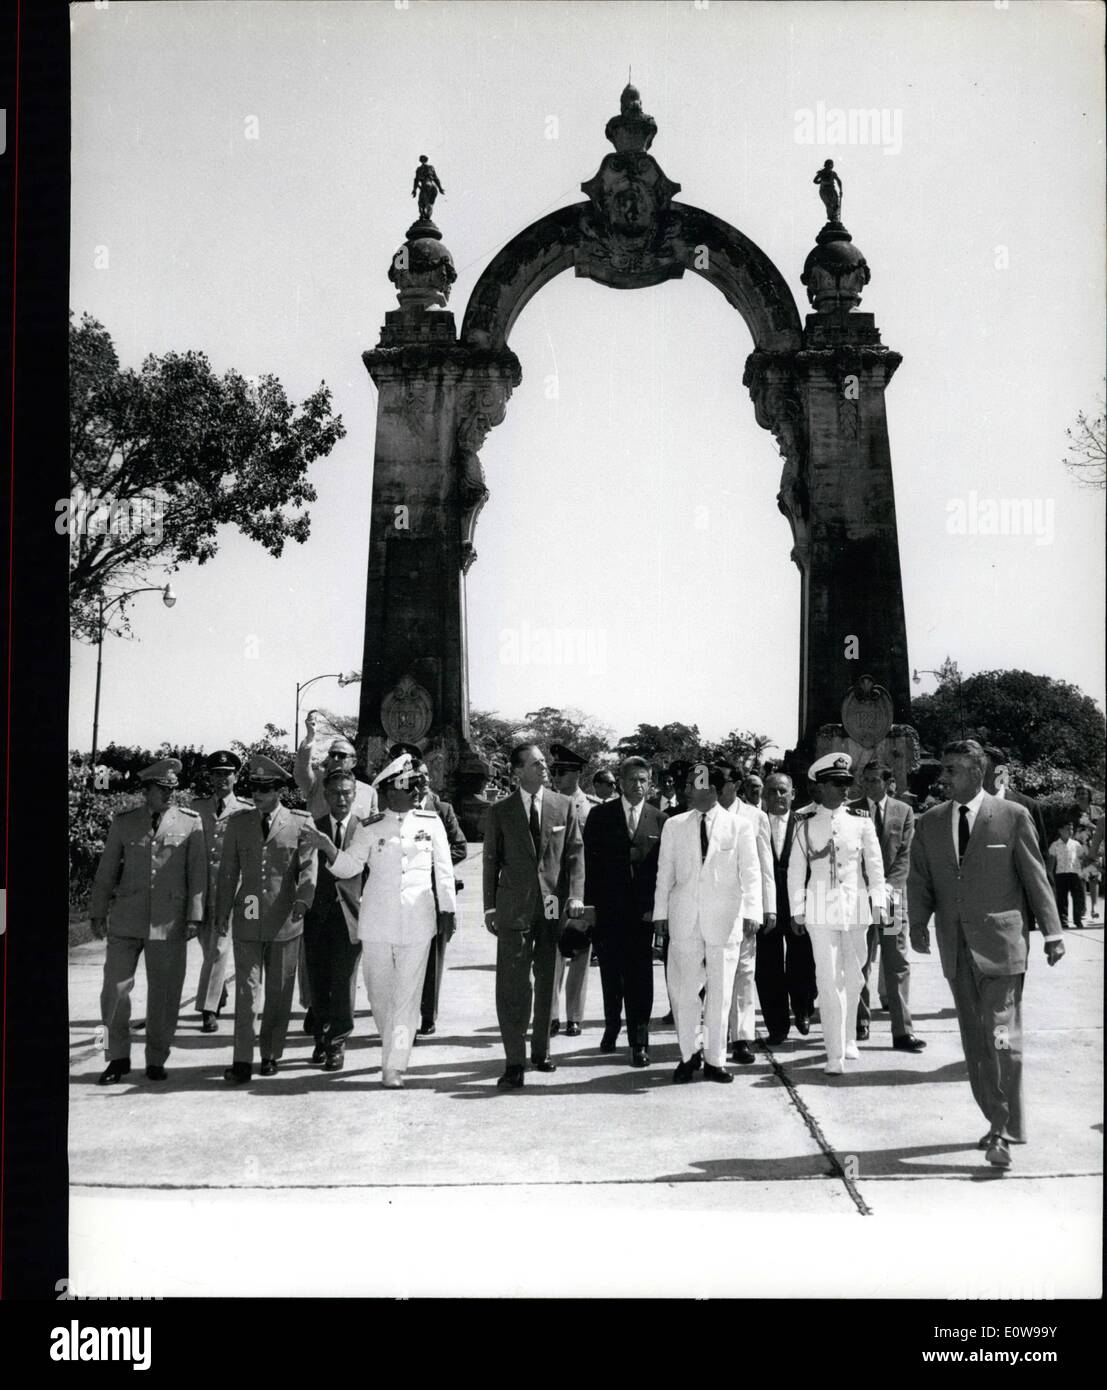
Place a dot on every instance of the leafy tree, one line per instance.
(662, 743)
(741, 747)
(1086, 458)
(162, 457)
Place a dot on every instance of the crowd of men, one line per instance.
(715, 871)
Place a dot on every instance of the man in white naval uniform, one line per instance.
(741, 1003)
(708, 897)
(410, 884)
(566, 767)
(836, 891)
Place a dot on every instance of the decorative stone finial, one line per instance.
(423, 269)
(631, 129)
(835, 271)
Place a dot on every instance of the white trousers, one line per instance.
(394, 983)
(840, 955)
(576, 991)
(692, 964)
(741, 1000)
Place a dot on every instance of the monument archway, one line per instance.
(817, 385)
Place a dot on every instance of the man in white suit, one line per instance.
(836, 890)
(708, 898)
(741, 1003)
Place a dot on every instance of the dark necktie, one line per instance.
(220, 803)
(703, 836)
(535, 828)
(265, 823)
(338, 834)
(155, 821)
(878, 817)
(963, 834)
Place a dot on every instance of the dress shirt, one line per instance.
(778, 825)
(1066, 855)
(536, 798)
(628, 811)
(974, 806)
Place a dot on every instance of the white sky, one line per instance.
(635, 510)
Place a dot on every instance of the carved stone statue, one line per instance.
(426, 187)
(830, 190)
(867, 712)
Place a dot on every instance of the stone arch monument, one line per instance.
(818, 386)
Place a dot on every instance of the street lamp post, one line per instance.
(351, 679)
(917, 676)
(168, 597)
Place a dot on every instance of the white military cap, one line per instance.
(832, 767)
(395, 769)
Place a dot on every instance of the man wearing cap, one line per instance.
(214, 812)
(566, 767)
(429, 800)
(976, 866)
(148, 899)
(708, 898)
(266, 885)
(836, 889)
(742, 1013)
(533, 875)
(409, 890)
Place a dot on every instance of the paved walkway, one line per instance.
(785, 1144)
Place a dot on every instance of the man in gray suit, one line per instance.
(976, 865)
(894, 823)
(533, 873)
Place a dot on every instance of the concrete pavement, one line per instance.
(894, 1137)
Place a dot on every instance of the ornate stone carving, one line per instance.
(412, 406)
(778, 406)
(480, 409)
(426, 187)
(867, 712)
(422, 269)
(830, 190)
(835, 272)
(407, 711)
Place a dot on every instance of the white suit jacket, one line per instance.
(709, 897)
(759, 824)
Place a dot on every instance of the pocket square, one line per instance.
(554, 829)
(997, 846)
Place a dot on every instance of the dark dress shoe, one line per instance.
(425, 1029)
(208, 1023)
(639, 1057)
(740, 1052)
(862, 1032)
(668, 1018)
(319, 1054)
(543, 1064)
(113, 1072)
(268, 1066)
(998, 1155)
(803, 1026)
(238, 1072)
(309, 1022)
(685, 1072)
(711, 1073)
(609, 1039)
(908, 1043)
(775, 1039)
(697, 1060)
(572, 1030)
(222, 1002)
(336, 1059)
(512, 1079)
(555, 1026)
(156, 1073)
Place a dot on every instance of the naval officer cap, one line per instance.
(399, 772)
(564, 759)
(265, 771)
(222, 760)
(163, 773)
(832, 767)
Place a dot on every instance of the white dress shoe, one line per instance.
(852, 1053)
(835, 1068)
(393, 1080)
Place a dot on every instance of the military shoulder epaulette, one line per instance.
(304, 815)
(432, 814)
(188, 811)
(805, 814)
(857, 811)
(372, 820)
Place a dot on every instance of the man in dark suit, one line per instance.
(331, 945)
(894, 823)
(533, 873)
(975, 864)
(785, 969)
(621, 842)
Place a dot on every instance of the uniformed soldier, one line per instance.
(459, 848)
(266, 884)
(566, 767)
(214, 812)
(410, 885)
(836, 890)
(148, 899)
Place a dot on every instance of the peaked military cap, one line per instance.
(832, 767)
(263, 769)
(565, 759)
(222, 760)
(163, 773)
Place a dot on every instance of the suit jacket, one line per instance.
(780, 870)
(1036, 815)
(620, 874)
(150, 885)
(714, 894)
(459, 846)
(331, 890)
(215, 830)
(759, 824)
(991, 895)
(260, 879)
(515, 881)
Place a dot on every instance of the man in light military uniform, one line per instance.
(836, 890)
(214, 812)
(565, 771)
(266, 885)
(148, 899)
(410, 886)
